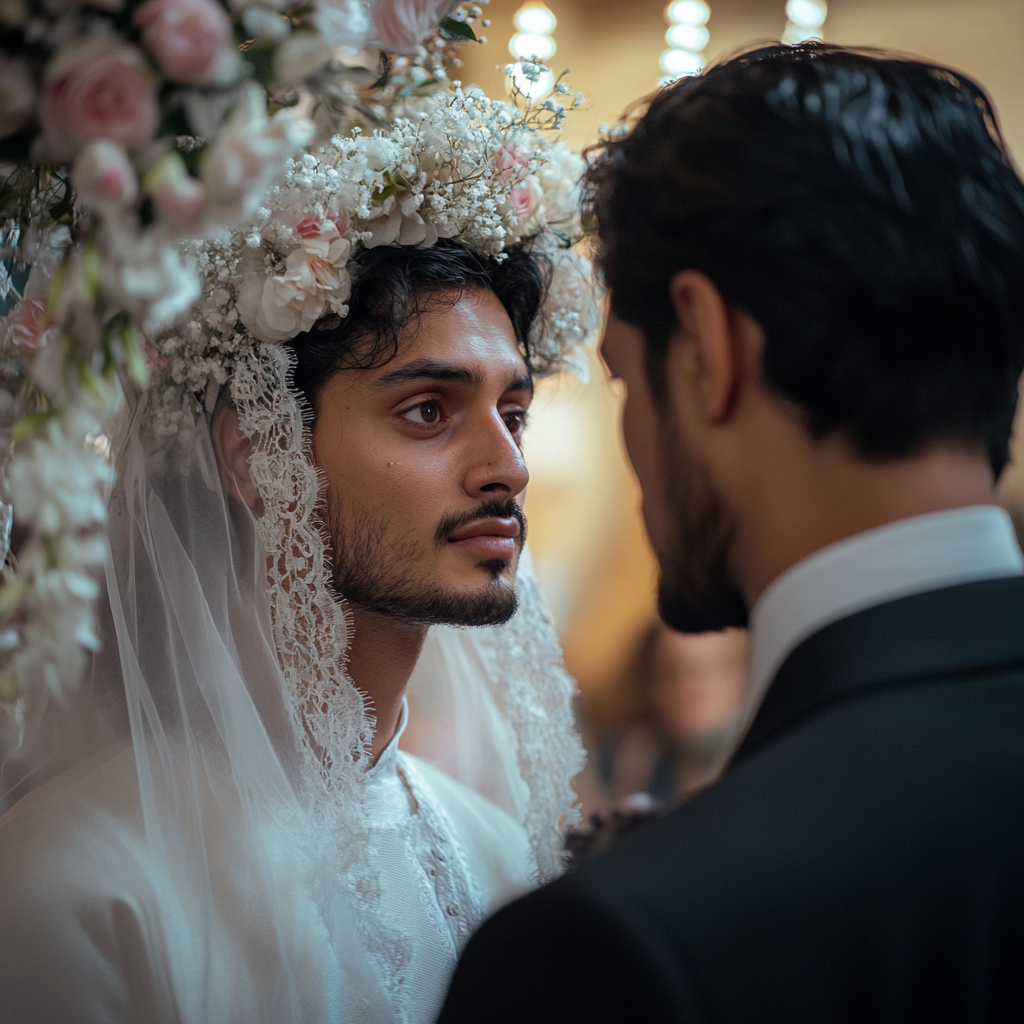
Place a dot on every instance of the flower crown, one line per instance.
(462, 167)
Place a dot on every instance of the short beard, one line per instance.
(376, 570)
(696, 593)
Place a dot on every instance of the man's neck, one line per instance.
(807, 506)
(382, 656)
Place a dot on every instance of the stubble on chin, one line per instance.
(378, 566)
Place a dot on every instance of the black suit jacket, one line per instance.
(861, 860)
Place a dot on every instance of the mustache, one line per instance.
(493, 509)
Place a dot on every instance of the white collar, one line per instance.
(911, 556)
(387, 762)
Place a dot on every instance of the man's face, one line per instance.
(424, 468)
(690, 529)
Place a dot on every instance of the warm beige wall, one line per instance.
(613, 46)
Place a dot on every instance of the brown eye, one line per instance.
(514, 422)
(426, 413)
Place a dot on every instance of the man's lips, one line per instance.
(488, 538)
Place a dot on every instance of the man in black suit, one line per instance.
(816, 267)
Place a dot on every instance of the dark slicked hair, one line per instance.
(863, 208)
(394, 285)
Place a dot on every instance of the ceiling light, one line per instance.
(688, 12)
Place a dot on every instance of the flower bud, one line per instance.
(179, 199)
(104, 177)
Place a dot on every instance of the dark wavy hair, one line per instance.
(394, 285)
(862, 207)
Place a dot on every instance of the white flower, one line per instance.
(560, 178)
(301, 55)
(146, 275)
(342, 22)
(280, 306)
(248, 154)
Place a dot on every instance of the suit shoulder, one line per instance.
(567, 952)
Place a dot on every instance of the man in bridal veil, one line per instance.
(229, 832)
(815, 259)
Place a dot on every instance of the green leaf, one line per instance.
(9, 689)
(134, 356)
(452, 29)
(273, 106)
(12, 591)
(29, 425)
(98, 385)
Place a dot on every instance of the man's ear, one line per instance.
(233, 449)
(720, 341)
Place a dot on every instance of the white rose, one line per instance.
(302, 54)
(277, 307)
(560, 178)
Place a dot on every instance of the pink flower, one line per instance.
(30, 328)
(510, 155)
(96, 89)
(526, 199)
(189, 39)
(104, 177)
(309, 226)
(400, 25)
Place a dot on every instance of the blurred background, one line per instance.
(654, 706)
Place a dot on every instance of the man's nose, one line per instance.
(496, 465)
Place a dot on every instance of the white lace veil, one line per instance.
(223, 669)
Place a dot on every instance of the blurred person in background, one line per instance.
(665, 729)
(814, 258)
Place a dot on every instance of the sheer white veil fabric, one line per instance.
(222, 686)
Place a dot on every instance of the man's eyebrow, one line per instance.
(449, 373)
(519, 382)
(429, 369)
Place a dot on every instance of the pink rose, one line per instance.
(97, 89)
(512, 162)
(510, 155)
(104, 177)
(526, 199)
(189, 39)
(400, 25)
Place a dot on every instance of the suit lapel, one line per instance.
(957, 631)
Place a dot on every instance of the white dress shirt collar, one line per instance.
(911, 556)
